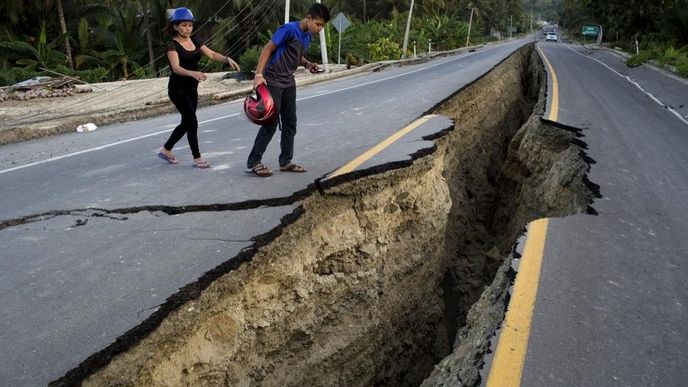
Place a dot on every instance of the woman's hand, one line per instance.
(199, 76)
(233, 64)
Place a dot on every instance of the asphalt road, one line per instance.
(611, 302)
(101, 258)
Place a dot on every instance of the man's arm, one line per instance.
(310, 66)
(262, 62)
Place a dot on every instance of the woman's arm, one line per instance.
(219, 57)
(173, 57)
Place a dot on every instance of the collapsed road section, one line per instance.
(396, 277)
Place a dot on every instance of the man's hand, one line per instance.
(312, 67)
(258, 79)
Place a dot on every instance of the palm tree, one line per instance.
(676, 18)
(12, 11)
(63, 30)
(39, 54)
(147, 26)
(125, 39)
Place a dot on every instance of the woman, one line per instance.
(184, 53)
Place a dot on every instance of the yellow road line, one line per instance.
(554, 108)
(507, 366)
(355, 163)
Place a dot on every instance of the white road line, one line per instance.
(383, 79)
(636, 84)
(105, 146)
(223, 117)
(217, 119)
(83, 151)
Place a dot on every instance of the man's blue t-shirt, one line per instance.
(291, 44)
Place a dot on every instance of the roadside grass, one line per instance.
(664, 55)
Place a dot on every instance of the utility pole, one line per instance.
(146, 20)
(365, 13)
(470, 21)
(323, 46)
(531, 18)
(286, 11)
(511, 23)
(406, 34)
(531, 23)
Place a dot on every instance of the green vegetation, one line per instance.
(660, 27)
(249, 59)
(105, 40)
(664, 55)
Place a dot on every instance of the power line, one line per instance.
(113, 92)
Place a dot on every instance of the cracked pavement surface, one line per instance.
(610, 307)
(76, 281)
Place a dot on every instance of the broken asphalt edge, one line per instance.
(193, 290)
(500, 289)
(578, 133)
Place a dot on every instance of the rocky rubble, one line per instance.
(26, 95)
(43, 87)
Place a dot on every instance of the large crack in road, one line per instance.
(395, 276)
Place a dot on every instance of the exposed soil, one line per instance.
(394, 279)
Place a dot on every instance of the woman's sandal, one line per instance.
(200, 163)
(291, 167)
(259, 170)
(169, 157)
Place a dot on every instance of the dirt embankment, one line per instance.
(391, 279)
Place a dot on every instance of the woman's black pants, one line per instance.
(186, 102)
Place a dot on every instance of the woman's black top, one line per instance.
(187, 60)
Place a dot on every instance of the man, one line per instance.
(278, 61)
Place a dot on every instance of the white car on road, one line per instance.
(551, 36)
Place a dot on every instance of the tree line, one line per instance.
(103, 40)
(649, 29)
(651, 20)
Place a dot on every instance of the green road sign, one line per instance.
(590, 30)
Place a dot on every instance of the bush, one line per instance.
(682, 66)
(249, 60)
(652, 52)
(95, 75)
(384, 49)
(15, 74)
(208, 65)
(351, 60)
(666, 55)
(18, 74)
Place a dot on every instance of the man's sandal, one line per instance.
(259, 170)
(291, 167)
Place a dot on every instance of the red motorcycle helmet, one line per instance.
(261, 109)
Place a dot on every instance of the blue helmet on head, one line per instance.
(181, 14)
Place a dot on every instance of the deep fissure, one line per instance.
(395, 278)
